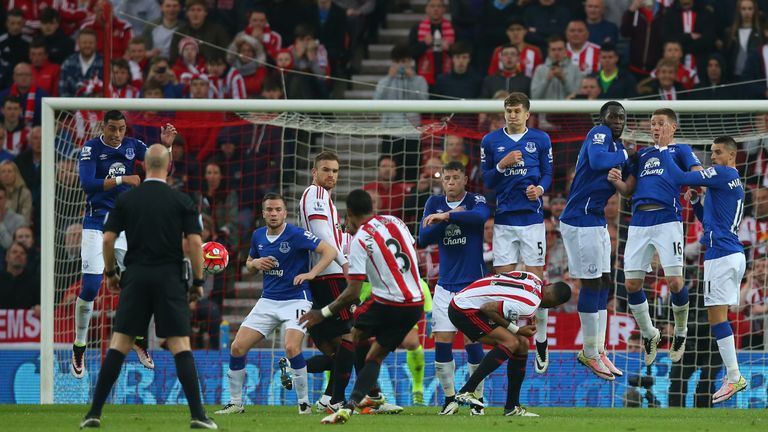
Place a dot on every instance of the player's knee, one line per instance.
(634, 284)
(237, 349)
(512, 343)
(292, 349)
(523, 345)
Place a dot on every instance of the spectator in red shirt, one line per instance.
(45, 75)
(391, 193)
(189, 60)
(249, 61)
(32, 10)
(258, 27)
(137, 60)
(122, 33)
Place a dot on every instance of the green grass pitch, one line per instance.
(285, 419)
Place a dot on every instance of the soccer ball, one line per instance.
(215, 258)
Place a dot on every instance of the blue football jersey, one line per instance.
(723, 207)
(591, 189)
(291, 251)
(459, 240)
(99, 161)
(512, 205)
(656, 187)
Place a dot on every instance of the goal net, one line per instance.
(230, 153)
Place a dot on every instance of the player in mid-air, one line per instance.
(280, 250)
(724, 260)
(455, 222)
(107, 168)
(383, 251)
(656, 225)
(517, 164)
(487, 311)
(585, 232)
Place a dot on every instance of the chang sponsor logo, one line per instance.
(652, 167)
(516, 169)
(453, 236)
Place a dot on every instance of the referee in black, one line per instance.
(154, 218)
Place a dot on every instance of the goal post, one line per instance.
(355, 126)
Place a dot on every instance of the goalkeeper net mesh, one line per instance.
(227, 161)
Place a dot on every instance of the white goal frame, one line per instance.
(50, 105)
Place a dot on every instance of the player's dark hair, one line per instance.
(400, 51)
(668, 113)
(359, 203)
(728, 142)
(556, 294)
(326, 155)
(16, 12)
(607, 105)
(454, 166)
(12, 99)
(273, 196)
(113, 115)
(518, 98)
(461, 47)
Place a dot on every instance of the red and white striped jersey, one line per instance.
(519, 292)
(230, 86)
(15, 141)
(753, 232)
(316, 205)
(383, 251)
(530, 58)
(587, 59)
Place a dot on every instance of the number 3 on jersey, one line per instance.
(399, 255)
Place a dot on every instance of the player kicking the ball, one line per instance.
(487, 311)
(280, 251)
(656, 225)
(724, 261)
(382, 250)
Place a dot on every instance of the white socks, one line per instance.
(681, 319)
(445, 375)
(236, 380)
(300, 384)
(643, 318)
(479, 390)
(83, 312)
(602, 326)
(589, 325)
(727, 348)
(542, 316)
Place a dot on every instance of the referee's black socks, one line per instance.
(110, 370)
(187, 373)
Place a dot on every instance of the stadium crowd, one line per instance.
(547, 49)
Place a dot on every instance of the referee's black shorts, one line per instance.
(388, 324)
(324, 292)
(472, 322)
(153, 290)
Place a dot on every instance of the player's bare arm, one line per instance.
(327, 255)
(259, 264)
(491, 309)
(167, 134)
(315, 316)
(624, 187)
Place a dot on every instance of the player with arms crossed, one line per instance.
(517, 163)
(724, 260)
(106, 171)
(383, 251)
(280, 251)
(318, 215)
(455, 222)
(585, 232)
(656, 225)
(487, 311)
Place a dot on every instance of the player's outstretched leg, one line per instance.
(679, 297)
(541, 361)
(638, 305)
(733, 381)
(589, 300)
(445, 370)
(83, 313)
(602, 327)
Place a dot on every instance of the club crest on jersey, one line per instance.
(530, 147)
(116, 169)
(284, 247)
(592, 269)
(130, 153)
